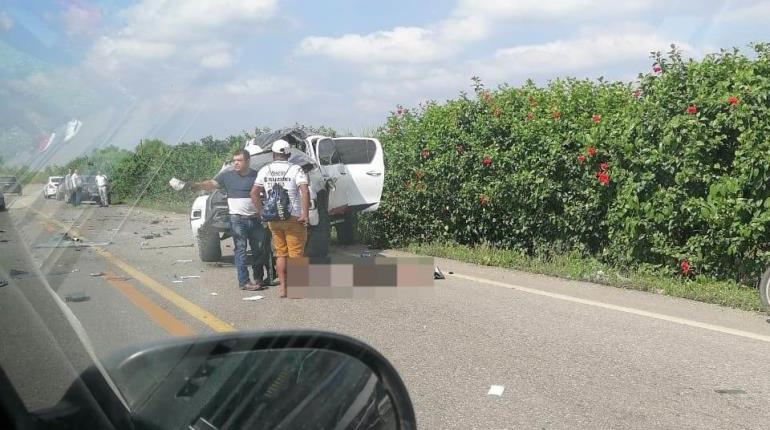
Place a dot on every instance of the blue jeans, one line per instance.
(248, 231)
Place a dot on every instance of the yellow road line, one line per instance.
(191, 308)
(161, 317)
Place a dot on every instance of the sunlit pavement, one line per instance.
(569, 354)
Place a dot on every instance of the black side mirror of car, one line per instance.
(275, 380)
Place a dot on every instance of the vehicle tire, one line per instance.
(209, 249)
(764, 290)
(319, 236)
(347, 231)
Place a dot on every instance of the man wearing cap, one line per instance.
(289, 235)
(245, 224)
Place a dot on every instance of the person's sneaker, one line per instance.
(250, 287)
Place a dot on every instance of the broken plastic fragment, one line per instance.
(253, 298)
(496, 390)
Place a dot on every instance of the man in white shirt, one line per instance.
(77, 184)
(289, 232)
(101, 183)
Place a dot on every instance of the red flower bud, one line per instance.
(733, 100)
(685, 266)
(487, 161)
(581, 158)
(692, 109)
(603, 178)
(604, 167)
(596, 118)
(591, 151)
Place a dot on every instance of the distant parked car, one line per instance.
(52, 187)
(9, 184)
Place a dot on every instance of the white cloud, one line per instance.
(400, 45)
(179, 32)
(589, 51)
(6, 22)
(258, 85)
(81, 19)
(217, 60)
(756, 12)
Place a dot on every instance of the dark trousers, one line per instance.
(248, 232)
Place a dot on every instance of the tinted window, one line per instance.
(327, 153)
(356, 151)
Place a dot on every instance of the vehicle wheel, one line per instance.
(764, 290)
(347, 231)
(209, 249)
(319, 236)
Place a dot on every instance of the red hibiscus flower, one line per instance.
(556, 115)
(685, 266)
(425, 153)
(483, 200)
(656, 68)
(604, 167)
(638, 93)
(733, 100)
(596, 118)
(487, 161)
(530, 116)
(692, 109)
(603, 178)
(581, 158)
(591, 151)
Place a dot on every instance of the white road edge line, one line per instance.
(625, 309)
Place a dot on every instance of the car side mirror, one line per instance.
(262, 380)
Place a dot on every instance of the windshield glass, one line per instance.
(543, 214)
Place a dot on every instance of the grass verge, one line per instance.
(172, 206)
(581, 268)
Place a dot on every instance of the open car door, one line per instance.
(364, 163)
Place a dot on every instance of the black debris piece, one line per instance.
(77, 297)
(437, 274)
(15, 272)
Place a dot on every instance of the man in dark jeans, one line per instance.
(246, 226)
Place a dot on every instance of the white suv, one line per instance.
(346, 177)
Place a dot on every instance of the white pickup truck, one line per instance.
(346, 177)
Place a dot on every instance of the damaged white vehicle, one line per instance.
(346, 177)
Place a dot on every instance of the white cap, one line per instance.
(281, 146)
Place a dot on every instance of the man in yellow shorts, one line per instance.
(285, 206)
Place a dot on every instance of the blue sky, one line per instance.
(184, 69)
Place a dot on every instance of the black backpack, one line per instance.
(277, 205)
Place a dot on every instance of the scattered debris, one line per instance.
(177, 282)
(253, 298)
(187, 276)
(3, 283)
(75, 270)
(214, 294)
(77, 297)
(155, 221)
(437, 274)
(167, 233)
(14, 273)
(729, 391)
(97, 274)
(367, 254)
(496, 390)
(183, 261)
(451, 273)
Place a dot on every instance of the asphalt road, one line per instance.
(569, 354)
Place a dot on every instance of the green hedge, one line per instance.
(671, 171)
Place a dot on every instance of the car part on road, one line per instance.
(77, 297)
(437, 274)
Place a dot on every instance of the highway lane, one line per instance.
(569, 354)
